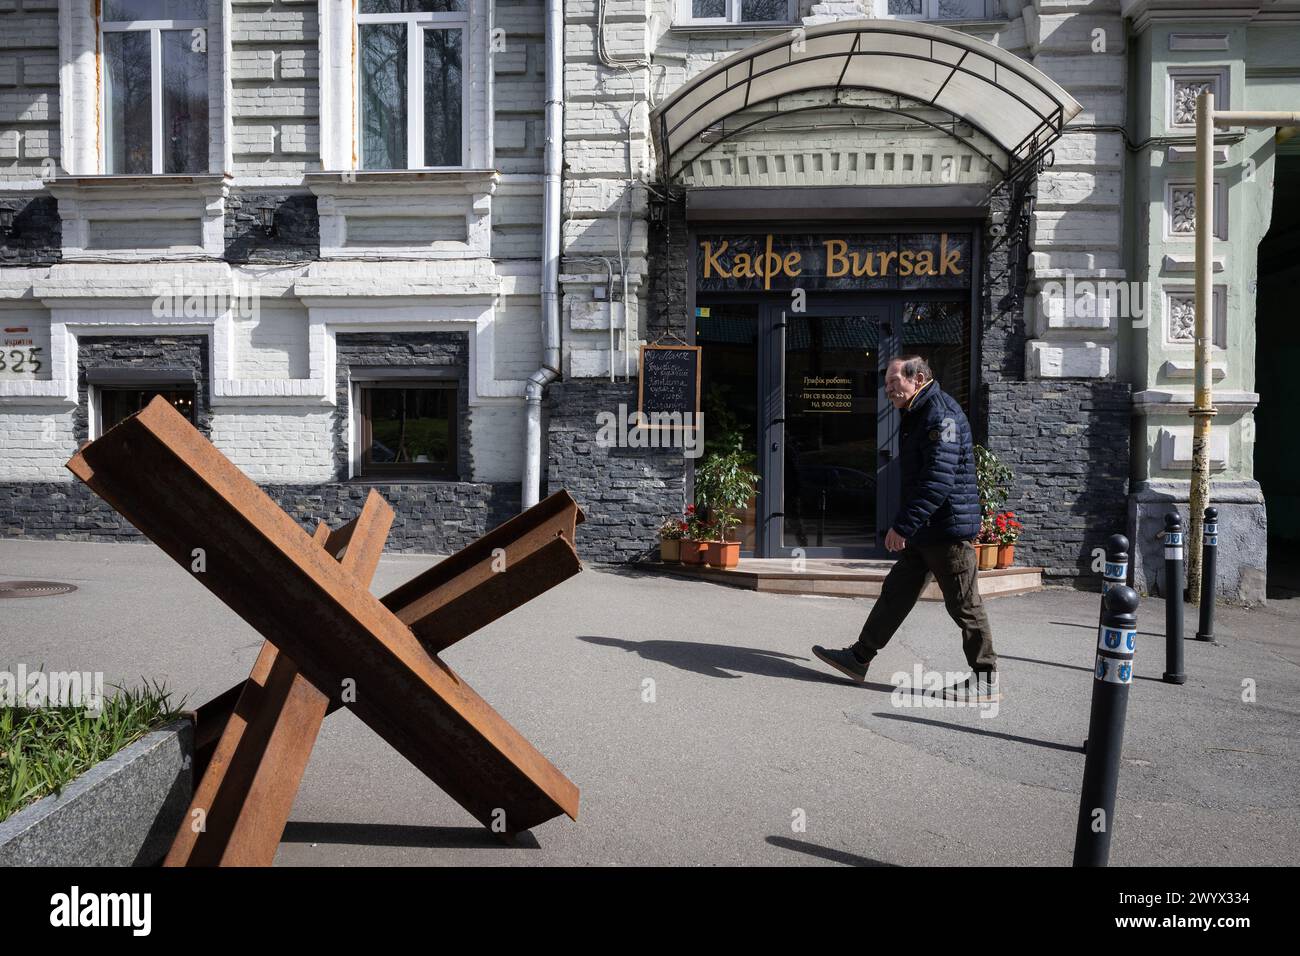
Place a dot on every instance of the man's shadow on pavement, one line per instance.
(720, 660)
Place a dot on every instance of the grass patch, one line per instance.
(44, 749)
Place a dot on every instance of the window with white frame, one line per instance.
(938, 9)
(410, 83)
(704, 12)
(154, 90)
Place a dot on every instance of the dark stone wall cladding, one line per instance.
(297, 228)
(1068, 442)
(188, 352)
(431, 517)
(624, 492)
(1006, 258)
(416, 350)
(666, 287)
(37, 236)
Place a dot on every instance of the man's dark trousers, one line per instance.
(955, 567)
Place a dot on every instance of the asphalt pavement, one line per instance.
(701, 731)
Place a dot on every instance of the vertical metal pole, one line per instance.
(1116, 643)
(1174, 600)
(1203, 408)
(1209, 552)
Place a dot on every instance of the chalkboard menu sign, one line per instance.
(669, 396)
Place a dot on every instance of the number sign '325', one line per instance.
(20, 361)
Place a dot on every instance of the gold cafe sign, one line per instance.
(832, 262)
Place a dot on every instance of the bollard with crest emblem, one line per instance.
(1112, 675)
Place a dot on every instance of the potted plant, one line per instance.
(694, 537)
(724, 485)
(1007, 528)
(993, 480)
(671, 533)
(986, 546)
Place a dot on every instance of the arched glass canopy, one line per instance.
(1010, 103)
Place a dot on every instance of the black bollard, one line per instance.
(1115, 570)
(1209, 555)
(1174, 600)
(1116, 642)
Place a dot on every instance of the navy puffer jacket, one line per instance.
(940, 500)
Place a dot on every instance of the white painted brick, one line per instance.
(517, 338)
(35, 443)
(277, 444)
(511, 134)
(299, 64)
(300, 139)
(496, 441)
(27, 107)
(275, 101)
(38, 144)
(273, 26)
(40, 69)
(1086, 72)
(272, 344)
(254, 140)
(1069, 360)
(252, 64)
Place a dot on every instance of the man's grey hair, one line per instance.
(913, 365)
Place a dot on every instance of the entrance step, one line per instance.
(840, 577)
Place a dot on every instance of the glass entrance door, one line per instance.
(827, 454)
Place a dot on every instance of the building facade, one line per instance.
(321, 230)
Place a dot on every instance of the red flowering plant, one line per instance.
(672, 529)
(694, 525)
(1006, 527)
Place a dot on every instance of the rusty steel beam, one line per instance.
(160, 473)
(503, 570)
(242, 803)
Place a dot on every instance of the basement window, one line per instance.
(116, 404)
(409, 430)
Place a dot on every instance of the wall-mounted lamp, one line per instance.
(6, 221)
(658, 207)
(266, 216)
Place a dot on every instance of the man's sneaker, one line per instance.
(845, 661)
(981, 687)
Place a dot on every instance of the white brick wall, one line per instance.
(496, 446)
(35, 443)
(277, 444)
(29, 88)
(517, 337)
(272, 344)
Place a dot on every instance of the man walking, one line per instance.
(933, 529)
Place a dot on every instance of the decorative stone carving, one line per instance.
(1182, 318)
(1182, 211)
(1186, 92)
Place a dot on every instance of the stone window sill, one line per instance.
(385, 181)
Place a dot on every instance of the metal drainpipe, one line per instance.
(554, 159)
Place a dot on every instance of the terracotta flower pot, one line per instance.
(723, 554)
(670, 550)
(988, 556)
(692, 552)
(1006, 555)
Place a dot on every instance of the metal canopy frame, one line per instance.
(1009, 102)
